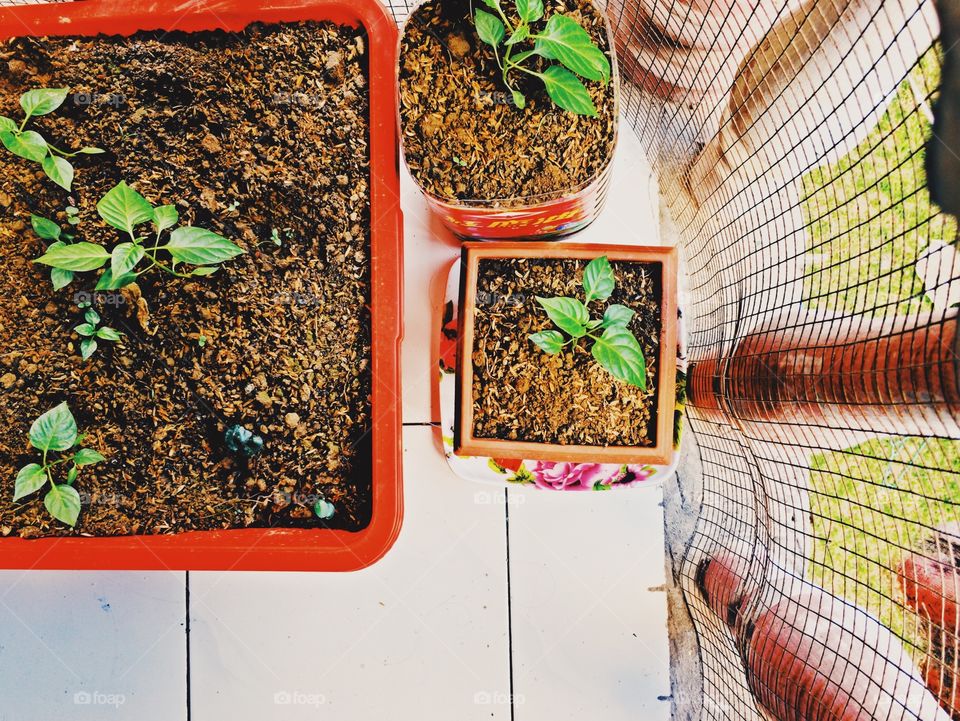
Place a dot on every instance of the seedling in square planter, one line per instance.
(91, 330)
(616, 348)
(562, 40)
(125, 209)
(566, 352)
(55, 434)
(31, 145)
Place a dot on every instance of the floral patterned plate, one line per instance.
(546, 475)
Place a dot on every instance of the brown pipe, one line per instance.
(851, 374)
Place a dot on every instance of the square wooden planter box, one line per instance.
(661, 452)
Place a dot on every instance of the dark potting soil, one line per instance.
(464, 139)
(521, 393)
(261, 136)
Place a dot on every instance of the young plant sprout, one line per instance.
(90, 332)
(31, 145)
(125, 209)
(517, 42)
(323, 509)
(48, 230)
(55, 433)
(615, 349)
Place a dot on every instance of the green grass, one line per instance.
(869, 214)
(868, 217)
(872, 503)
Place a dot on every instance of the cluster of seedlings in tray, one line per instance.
(562, 40)
(187, 252)
(613, 346)
(201, 313)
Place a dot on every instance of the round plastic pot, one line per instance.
(530, 217)
(265, 549)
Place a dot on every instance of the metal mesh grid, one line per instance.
(789, 138)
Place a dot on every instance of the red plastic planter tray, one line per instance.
(264, 549)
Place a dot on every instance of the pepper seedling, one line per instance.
(90, 332)
(46, 229)
(31, 145)
(616, 349)
(126, 210)
(562, 40)
(55, 432)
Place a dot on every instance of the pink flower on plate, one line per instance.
(585, 476)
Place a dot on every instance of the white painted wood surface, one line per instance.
(433, 631)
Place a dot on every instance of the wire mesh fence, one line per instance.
(791, 139)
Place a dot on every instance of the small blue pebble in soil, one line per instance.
(324, 509)
(240, 440)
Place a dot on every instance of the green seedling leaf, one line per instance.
(620, 353)
(55, 430)
(489, 28)
(208, 270)
(91, 151)
(78, 257)
(29, 144)
(29, 480)
(60, 278)
(124, 208)
(323, 509)
(566, 90)
(519, 100)
(46, 229)
(59, 170)
(124, 258)
(91, 316)
(42, 100)
(85, 329)
(166, 216)
(8, 125)
(72, 475)
(198, 246)
(519, 35)
(63, 503)
(549, 341)
(109, 282)
(108, 334)
(567, 42)
(598, 279)
(87, 457)
(88, 346)
(617, 316)
(530, 10)
(568, 314)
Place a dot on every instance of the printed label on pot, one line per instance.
(558, 217)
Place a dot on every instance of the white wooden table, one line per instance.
(491, 605)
